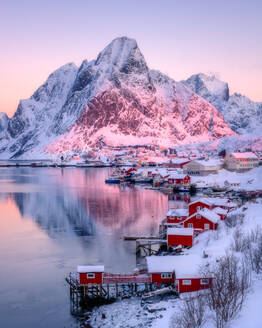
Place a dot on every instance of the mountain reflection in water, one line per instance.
(51, 220)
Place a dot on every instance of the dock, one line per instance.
(85, 296)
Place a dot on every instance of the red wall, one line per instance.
(98, 279)
(222, 216)
(156, 277)
(175, 220)
(195, 285)
(174, 240)
(193, 207)
(184, 181)
(199, 223)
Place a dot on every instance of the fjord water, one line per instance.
(52, 220)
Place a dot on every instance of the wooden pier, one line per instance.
(83, 297)
(147, 245)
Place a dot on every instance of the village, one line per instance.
(202, 194)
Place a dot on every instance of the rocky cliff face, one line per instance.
(4, 119)
(241, 114)
(115, 100)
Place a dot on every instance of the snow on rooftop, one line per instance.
(219, 210)
(180, 231)
(177, 212)
(175, 175)
(90, 268)
(223, 202)
(210, 215)
(244, 155)
(184, 266)
(179, 160)
(207, 201)
(209, 162)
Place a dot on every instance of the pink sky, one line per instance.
(178, 38)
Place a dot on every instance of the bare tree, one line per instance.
(230, 286)
(192, 313)
(253, 249)
(233, 220)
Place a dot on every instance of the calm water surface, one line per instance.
(52, 220)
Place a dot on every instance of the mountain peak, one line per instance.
(124, 55)
(208, 87)
(114, 98)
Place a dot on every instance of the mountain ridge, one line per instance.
(115, 99)
(241, 113)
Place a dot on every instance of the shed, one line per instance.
(90, 274)
(182, 270)
(178, 179)
(180, 236)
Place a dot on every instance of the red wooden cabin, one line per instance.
(90, 274)
(189, 284)
(177, 215)
(178, 179)
(202, 220)
(182, 271)
(183, 196)
(180, 236)
(199, 204)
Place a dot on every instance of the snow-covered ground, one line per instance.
(129, 313)
(250, 180)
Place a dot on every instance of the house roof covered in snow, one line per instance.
(179, 160)
(207, 201)
(206, 213)
(184, 266)
(244, 155)
(175, 175)
(90, 268)
(180, 231)
(177, 212)
(210, 215)
(219, 210)
(222, 202)
(209, 162)
(206, 162)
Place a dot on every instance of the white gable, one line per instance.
(90, 268)
(180, 231)
(184, 266)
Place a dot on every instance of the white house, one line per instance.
(202, 167)
(241, 161)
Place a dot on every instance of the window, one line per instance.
(179, 218)
(206, 226)
(166, 275)
(90, 275)
(199, 208)
(198, 216)
(186, 282)
(204, 281)
(190, 225)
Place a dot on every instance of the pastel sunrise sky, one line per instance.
(178, 37)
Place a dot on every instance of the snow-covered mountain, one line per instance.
(241, 114)
(114, 99)
(4, 119)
